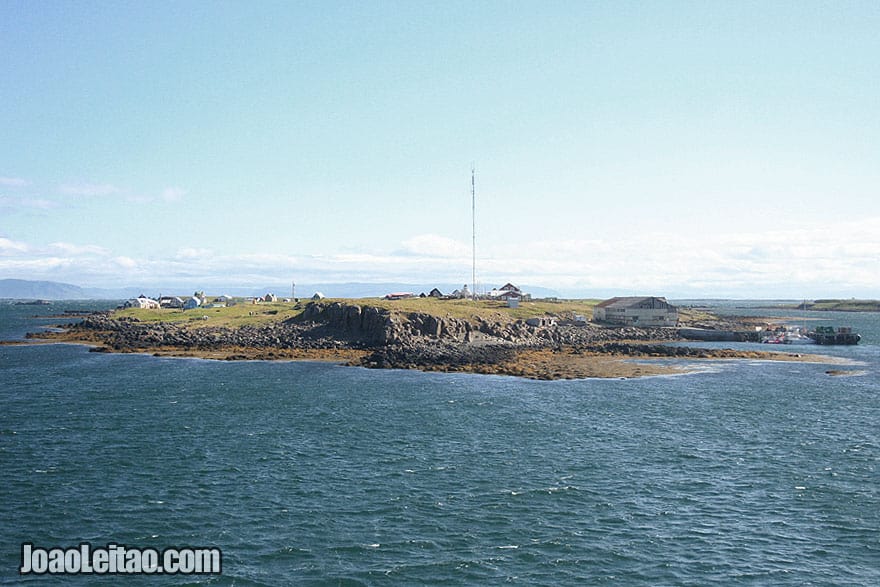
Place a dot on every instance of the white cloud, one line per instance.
(822, 260)
(43, 267)
(26, 203)
(125, 262)
(173, 194)
(11, 247)
(77, 250)
(89, 189)
(168, 195)
(432, 245)
(14, 182)
(138, 199)
(78, 193)
(263, 259)
(193, 253)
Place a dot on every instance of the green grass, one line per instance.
(485, 309)
(233, 316)
(695, 315)
(246, 313)
(846, 305)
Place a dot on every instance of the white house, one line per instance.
(192, 303)
(636, 311)
(508, 292)
(142, 302)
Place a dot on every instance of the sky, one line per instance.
(687, 149)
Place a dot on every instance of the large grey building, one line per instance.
(636, 311)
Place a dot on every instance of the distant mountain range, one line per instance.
(47, 290)
(23, 289)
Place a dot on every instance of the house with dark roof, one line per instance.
(170, 302)
(636, 311)
(508, 291)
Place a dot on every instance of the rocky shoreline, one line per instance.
(377, 338)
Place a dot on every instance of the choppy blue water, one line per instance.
(304, 473)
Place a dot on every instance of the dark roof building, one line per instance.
(636, 311)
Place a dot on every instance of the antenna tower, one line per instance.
(473, 235)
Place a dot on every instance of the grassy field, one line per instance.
(233, 316)
(483, 308)
(246, 313)
(846, 305)
(695, 315)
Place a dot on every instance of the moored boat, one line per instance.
(828, 335)
(787, 336)
(796, 336)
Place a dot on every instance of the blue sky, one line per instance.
(677, 148)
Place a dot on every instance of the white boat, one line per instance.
(796, 337)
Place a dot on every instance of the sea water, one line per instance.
(747, 473)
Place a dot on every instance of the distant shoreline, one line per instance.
(832, 306)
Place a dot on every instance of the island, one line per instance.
(538, 339)
(832, 305)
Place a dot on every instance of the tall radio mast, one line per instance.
(473, 235)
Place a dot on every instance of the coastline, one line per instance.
(637, 359)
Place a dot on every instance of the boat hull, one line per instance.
(838, 338)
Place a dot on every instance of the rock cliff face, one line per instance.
(378, 326)
(338, 325)
(351, 322)
(127, 334)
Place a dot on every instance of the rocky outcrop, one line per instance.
(380, 327)
(350, 322)
(486, 358)
(127, 334)
(450, 357)
(374, 337)
(395, 339)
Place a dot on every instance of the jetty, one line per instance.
(713, 335)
